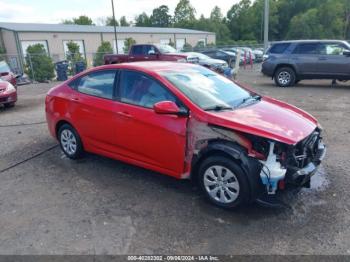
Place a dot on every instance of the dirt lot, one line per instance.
(52, 205)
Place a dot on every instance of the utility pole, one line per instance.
(266, 25)
(115, 28)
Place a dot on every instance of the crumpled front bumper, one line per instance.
(302, 177)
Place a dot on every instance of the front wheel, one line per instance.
(70, 142)
(223, 182)
(285, 77)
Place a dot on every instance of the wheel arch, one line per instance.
(61, 123)
(285, 65)
(238, 154)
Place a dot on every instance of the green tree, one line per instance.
(103, 49)
(73, 55)
(216, 15)
(123, 21)
(143, 20)
(38, 64)
(305, 26)
(128, 43)
(160, 17)
(110, 21)
(184, 15)
(81, 20)
(67, 22)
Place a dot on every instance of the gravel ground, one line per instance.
(52, 205)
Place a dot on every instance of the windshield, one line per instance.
(4, 67)
(208, 90)
(165, 49)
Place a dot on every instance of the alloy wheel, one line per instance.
(284, 78)
(68, 141)
(221, 184)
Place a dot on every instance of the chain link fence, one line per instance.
(33, 67)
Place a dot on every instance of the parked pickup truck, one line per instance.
(150, 52)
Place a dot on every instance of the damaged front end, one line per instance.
(292, 165)
(270, 165)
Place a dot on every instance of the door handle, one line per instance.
(74, 99)
(124, 114)
(322, 58)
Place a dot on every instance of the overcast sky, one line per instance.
(46, 11)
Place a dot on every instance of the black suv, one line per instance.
(288, 62)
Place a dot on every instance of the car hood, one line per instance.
(212, 61)
(271, 119)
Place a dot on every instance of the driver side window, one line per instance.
(141, 90)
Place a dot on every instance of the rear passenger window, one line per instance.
(307, 49)
(100, 84)
(279, 48)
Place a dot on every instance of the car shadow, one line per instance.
(181, 194)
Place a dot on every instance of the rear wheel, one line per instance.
(223, 182)
(285, 77)
(70, 142)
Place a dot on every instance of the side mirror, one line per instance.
(4, 73)
(167, 108)
(346, 52)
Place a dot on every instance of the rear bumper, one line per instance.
(8, 98)
(267, 69)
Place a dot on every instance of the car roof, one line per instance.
(308, 41)
(149, 66)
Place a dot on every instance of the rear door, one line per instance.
(306, 57)
(92, 109)
(143, 135)
(332, 61)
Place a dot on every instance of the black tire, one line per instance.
(285, 77)
(8, 105)
(243, 192)
(67, 131)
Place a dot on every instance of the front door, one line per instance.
(332, 61)
(143, 135)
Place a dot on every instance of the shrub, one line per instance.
(38, 64)
(73, 55)
(103, 49)
(187, 47)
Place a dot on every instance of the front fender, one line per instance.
(249, 165)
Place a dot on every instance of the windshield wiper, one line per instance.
(249, 98)
(218, 108)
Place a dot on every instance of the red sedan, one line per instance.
(8, 94)
(186, 121)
